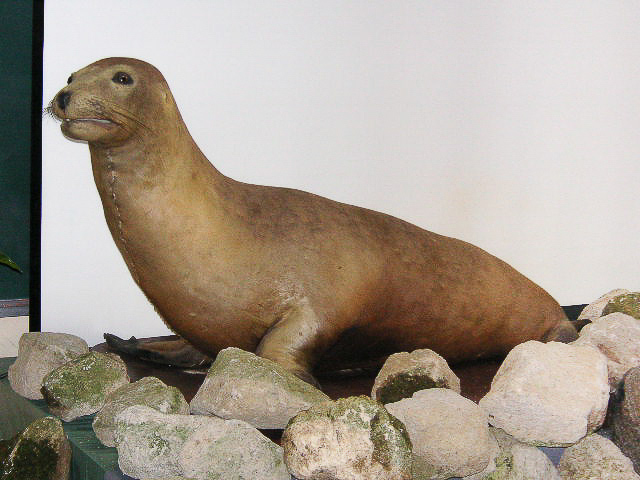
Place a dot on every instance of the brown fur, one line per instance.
(298, 278)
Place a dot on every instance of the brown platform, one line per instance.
(475, 378)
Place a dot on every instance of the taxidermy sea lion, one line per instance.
(308, 282)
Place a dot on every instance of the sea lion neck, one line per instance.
(142, 177)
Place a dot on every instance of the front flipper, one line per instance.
(297, 340)
(176, 352)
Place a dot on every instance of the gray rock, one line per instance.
(352, 438)
(626, 418)
(240, 385)
(80, 386)
(40, 452)
(449, 434)
(628, 303)
(519, 461)
(38, 354)
(148, 391)
(494, 452)
(524, 462)
(231, 450)
(404, 373)
(595, 457)
(549, 393)
(156, 445)
(149, 442)
(595, 308)
(617, 336)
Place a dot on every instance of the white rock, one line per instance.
(38, 354)
(241, 385)
(596, 457)
(617, 336)
(594, 309)
(231, 450)
(404, 373)
(155, 445)
(449, 434)
(549, 393)
(494, 452)
(519, 461)
(149, 442)
(524, 462)
(352, 438)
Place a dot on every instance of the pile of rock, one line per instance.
(415, 424)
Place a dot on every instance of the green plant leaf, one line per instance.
(9, 263)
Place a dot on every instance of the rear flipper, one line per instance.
(564, 332)
(176, 352)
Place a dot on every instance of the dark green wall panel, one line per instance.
(15, 143)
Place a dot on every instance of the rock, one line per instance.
(231, 450)
(352, 438)
(524, 462)
(148, 391)
(404, 373)
(519, 461)
(626, 418)
(549, 393)
(628, 303)
(595, 308)
(38, 354)
(40, 452)
(149, 442)
(617, 336)
(80, 387)
(152, 444)
(494, 452)
(449, 433)
(240, 385)
(595, 457)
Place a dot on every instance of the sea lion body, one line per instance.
(303, 280)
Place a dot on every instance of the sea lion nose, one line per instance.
(62, 99)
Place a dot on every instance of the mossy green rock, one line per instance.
(80, 387)
(149, 391)
(149, 442)
(354, 438)
(241, 385)
(40, 452)
(628, 303)
(404, 373)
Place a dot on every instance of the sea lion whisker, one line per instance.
(48, 111)
(118, 109)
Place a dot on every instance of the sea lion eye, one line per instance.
(70, 79)
(122, 78)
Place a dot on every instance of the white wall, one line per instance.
(509, 124)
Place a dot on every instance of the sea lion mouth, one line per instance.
(102, 121)
(88, 128)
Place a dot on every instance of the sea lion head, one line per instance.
(113, 100)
